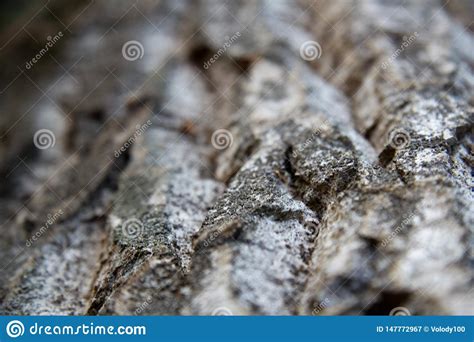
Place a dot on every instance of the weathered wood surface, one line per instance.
(235, 169)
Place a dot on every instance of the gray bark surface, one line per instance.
(223, 173)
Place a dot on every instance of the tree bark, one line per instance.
(236, 167)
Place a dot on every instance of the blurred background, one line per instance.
(79, 77)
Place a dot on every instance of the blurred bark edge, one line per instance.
(236, 157)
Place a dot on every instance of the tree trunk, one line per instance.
(244, 157)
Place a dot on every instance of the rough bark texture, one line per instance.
(226, 171)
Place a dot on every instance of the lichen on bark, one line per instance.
(227, 171)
